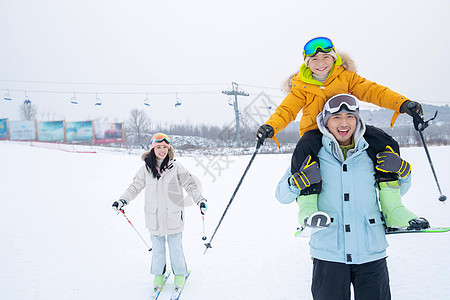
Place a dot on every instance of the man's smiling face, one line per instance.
(342, 126)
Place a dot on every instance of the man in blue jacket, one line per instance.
(352, 250)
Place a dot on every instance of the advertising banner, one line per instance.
(22, 130)
(4, 129)
(51, 131)
(79, 132)
(108, 133)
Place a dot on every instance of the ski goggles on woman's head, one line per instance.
(160, 137)
(335, 103)
(322, 43)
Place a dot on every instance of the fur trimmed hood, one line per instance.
(347, 62)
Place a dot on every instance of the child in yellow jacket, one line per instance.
(324, 74)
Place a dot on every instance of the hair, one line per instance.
(151, 163)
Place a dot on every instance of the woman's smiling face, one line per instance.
(161, 150)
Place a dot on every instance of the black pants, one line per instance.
(331, 280)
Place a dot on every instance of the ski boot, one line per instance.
(158, 281)
(179, 280)
(306, 206)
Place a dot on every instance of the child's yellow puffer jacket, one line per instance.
(310, 95)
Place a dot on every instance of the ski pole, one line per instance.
(203, 222)
(420, 125)
(208, 245)
(123, 212)
(441, 197)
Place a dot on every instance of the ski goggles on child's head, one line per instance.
(335, 103)
(160, 137)
(322, 43)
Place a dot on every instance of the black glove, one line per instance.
(389, 161)
(203, 206)
(117, 205)
(419, 223)
(264, 131)
(405, 109)
(308, 174)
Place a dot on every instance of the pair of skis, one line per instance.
(176, 294)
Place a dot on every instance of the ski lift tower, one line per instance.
(236, 93)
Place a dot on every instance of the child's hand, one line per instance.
(264, 131)
(308, 174)
(417, 107)
(389, 161)
(203, 206)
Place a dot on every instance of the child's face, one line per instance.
(321, 63)
(161, 150)
(342, 126)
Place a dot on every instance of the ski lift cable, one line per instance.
(133, 83)
(130, 84)
(113, 83)
(261, 87)
(8, 91)
(113, 93)
(145, 84)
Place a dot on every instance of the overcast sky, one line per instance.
(192, 50)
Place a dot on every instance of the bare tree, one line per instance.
(137, 128)
(27, 111)
(51, 116)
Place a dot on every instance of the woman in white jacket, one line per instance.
(164, 179)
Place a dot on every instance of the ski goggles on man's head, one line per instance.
(335, 103)
(160, 137)
(319, 43)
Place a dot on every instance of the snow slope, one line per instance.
(59, 238)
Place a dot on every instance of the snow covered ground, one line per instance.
(59, 238)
